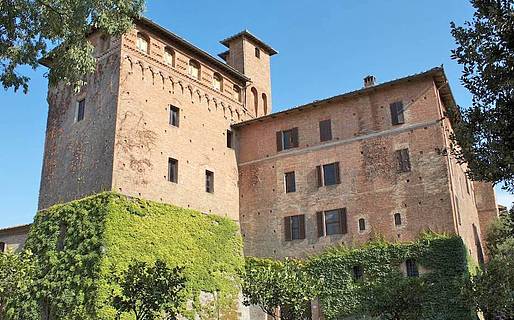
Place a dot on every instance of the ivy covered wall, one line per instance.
(78, 244)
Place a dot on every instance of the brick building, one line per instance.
(163, 120)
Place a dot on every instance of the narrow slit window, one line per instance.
(397, 219)
(257, 53)
(81, 110)
(230, 138)
(172, 170)
(209, 181)
(174, 116)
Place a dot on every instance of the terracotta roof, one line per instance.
(437, 73)
(15, 228)
(253, 38)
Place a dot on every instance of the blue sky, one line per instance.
(326, 48)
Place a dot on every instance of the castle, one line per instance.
(163, 120)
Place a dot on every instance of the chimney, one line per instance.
(369, 81)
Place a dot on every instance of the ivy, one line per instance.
(78, 244)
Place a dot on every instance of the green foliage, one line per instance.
(29, 27)
(148, 291)
(384, 292)
(16, 274)
(272, 284)
(78, 244)
(485, 49)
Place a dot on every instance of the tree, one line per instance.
(484, 132)
(280, 288)
(149, 291)
(493, 287)
(28, 28)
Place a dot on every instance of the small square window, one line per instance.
(174, 116)
(81, 109)
(290, 182)
(172, 170)
(257, 53)
(209, 181)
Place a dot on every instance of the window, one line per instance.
(287, 139)
(218, 82)
(229, 139)
(81, 108)
(412, 268)
(2, 247)
(209, 181)
(325, 130)
(397, 219)
(403, 160)
(328, 174)
(332, 222)
(255, 101)
(63, 230)
(362, 224)
(358, 272)
(265, 103)
(172, 170)
(142, 43)
(169, 57)
(174, 116)
(238, 94)
(290, 182)
(194, 69)
(397, 113)
(257, 53)
(294, 227)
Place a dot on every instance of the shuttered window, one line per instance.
(412, 268)
(294, 227)
(328, 174)
(209, 181)
(172, 170)
(290, 182)
(325, 130)
(174, 116)
(332, 222)
(287, 139)
(397, 113)
(403, 159)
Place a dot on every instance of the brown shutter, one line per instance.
(287, 228)
(302, 226)
(338, 177)
(399, 160)
(321, 227)
(344, 222)
(399, 111)
(295, 137)
(319, 176)
(279, 141)
(325, 130)
(406, 160)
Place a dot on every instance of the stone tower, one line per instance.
(249, 55)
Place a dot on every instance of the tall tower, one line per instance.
(251, 56)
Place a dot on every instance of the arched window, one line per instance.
(362, 224)
(169, 56)
(237, 93)
(265, 103)
(194, 69)
(397, 219)
(255, 101)
(143, 43)
(218, 82)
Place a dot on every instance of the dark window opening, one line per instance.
(325, 130)
(397, 113)
(403, 160)
(290, 181)
(332, 222)
(412, 268)
(174, 116)
(362, 224)
(209, 181)
(397, 219)
(172, 170)
(229, 139)
(328, 174)
(287, 139)
(358, 272)
(294, 227)
(257, 52)
(63, 230)
(2, 247)
(81, 108)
